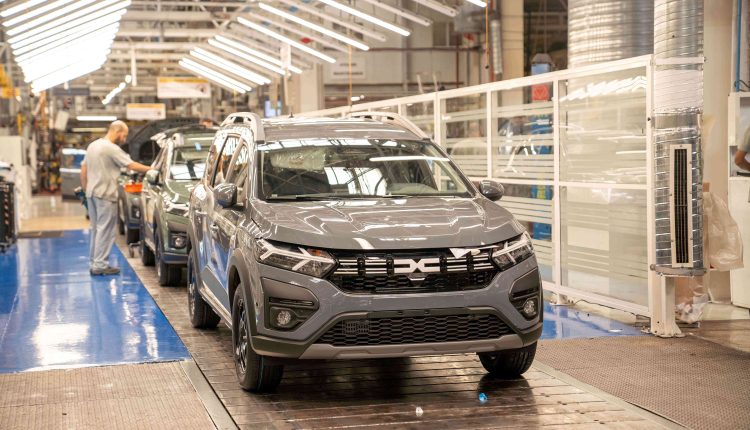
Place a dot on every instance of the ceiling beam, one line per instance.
(153, 46)
(175, 16)
(169, 33)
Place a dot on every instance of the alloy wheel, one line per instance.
(240, 351)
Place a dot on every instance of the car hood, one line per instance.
(178, 191)
(387, 224)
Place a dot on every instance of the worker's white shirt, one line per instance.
(103, 162)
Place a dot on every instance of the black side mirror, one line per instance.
(225, 195)
(152, 177)
(491, 189)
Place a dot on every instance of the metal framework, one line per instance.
(622, 87)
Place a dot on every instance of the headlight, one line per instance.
(135, 212)
(512, 252)
(313, 262)
(177, 240)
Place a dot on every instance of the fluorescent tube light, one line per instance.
(35, 12)
(254, 52)
(214, 75)
(105, 33)
(401, 12)
(32, 74)
(229, 66)
(314, 27)
(479, 3)
(68, 12)
(247, 57)
(71, 34)
(285, 39)
(64, 75)
(350, 25)
(59, 27)
(366, 17)
(103, 118)
(219, 82)
(20, 8)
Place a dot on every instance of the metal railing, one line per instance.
(573, 149)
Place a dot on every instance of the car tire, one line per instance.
(201, 314)
(168, 274)
(147, 255)
(131, 235)
(508, 364)
(254, 373)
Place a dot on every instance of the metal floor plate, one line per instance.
(697, 383)
(140, 396)
(435, 392)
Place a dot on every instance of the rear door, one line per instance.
(150, 196)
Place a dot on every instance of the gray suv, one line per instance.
(355, 238)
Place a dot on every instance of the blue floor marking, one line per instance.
(563, 322)
(53, 314)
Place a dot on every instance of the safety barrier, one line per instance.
(572, 148)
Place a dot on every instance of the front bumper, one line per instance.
(332, 305)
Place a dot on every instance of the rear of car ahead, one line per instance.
(362, 239)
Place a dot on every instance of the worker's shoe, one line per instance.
(107, 271)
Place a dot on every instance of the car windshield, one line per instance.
(189, 159)
(352, 168)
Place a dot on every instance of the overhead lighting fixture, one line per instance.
(214, 75)
(401, 12)
(479, 3)
(229, 66)
(314, 27)
(67, 13)
(36, 12)
(20, 8)
(247, 57)
(357, 28)
(93, 38)
(56, 27)
(254, 52)
(438, 7)
(359, 14)
(286, 40)
(64, 75)
(103, 25)
(102, 118)
(56, 41)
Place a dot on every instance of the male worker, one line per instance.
(99, 173)
(740, 158)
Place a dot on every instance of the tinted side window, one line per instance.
(213, 155)
(225, 157)
(239, 168)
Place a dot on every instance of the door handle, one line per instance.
(200, 213)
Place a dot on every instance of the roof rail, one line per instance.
(393, 119)
(252, 119)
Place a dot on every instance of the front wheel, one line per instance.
(508, 364)
(201, 314)
(253, 371)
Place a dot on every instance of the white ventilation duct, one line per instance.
(678, 181)
(606, 30)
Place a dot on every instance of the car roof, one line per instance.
(318, 128)
(190, 129)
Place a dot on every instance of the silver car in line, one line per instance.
(353, 238)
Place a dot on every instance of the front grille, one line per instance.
(409, 273)
(407, 330)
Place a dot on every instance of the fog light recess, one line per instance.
(283, 318)
(529, 308)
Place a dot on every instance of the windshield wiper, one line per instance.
(305, 197)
